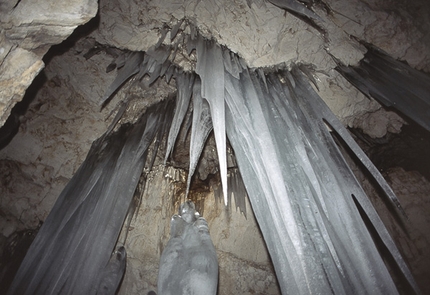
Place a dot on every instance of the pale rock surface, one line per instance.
(28, 29)
(16, 73)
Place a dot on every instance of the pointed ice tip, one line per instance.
(224, 191)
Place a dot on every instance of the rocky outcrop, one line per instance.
(27, 30)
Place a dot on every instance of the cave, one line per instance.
(59, 61)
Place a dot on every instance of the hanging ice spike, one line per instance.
(210, 68)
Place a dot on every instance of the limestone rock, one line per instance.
(16, 73)
(28, 30)
(33, 24)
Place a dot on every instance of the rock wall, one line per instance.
(27, 30)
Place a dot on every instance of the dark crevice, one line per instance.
(408, 149)
(11, 126)
(79, 33)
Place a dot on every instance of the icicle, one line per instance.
(175, 29)
(131, 67)
(365, 203)
(210, 68)
(163, 33)
(250, 138)
(170, 72)
(237, 189)
(262, 76)
(231, 63)
(77, 238)
(309, 70)
(295, 6)
(184, 82)
(392, 83)
(201, 127)
(301, 189)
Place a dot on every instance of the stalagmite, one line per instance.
(188, 264)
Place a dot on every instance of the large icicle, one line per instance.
(201, 127)
(77, 239)
(130, 68)
(184, 82)
(210, 68)
(301, 189)
(297, 7)
(393, 83)
(318, 107)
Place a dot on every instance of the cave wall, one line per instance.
(64, 118)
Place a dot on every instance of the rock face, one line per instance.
(27, 30)
(64, 117)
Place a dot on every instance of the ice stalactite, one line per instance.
(210, 68)
(393, 83)
(185, 83)
(301, 189)
(201, 127)
(74, 244)
(128, 69)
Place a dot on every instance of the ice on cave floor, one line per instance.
(393, 83)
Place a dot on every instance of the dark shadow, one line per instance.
(11, 126)
(407, 149)
(79, 33)
(13, 253)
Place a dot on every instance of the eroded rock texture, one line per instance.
(28, 30)
(64, 117)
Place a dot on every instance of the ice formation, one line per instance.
(302, 191)
(393, 83)
(188, 264)
(76, 241)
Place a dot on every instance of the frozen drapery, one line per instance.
(300, 187)
(303, 199)
(393, 83)
(76, 241)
